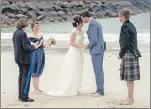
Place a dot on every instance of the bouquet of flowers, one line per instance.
(51, 41)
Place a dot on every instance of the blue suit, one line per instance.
(96, 47)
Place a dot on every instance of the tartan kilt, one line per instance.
(129, 70)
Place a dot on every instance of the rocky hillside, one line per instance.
(54, 11)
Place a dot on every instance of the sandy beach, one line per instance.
(115, 89)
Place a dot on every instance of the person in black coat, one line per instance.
(22, 52)
(129, 54)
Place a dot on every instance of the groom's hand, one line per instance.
(86, 47)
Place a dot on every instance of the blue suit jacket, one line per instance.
(95, 36)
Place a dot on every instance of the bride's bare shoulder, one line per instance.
(74, 30)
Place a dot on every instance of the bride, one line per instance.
(71, 75)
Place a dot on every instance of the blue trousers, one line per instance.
(97, 61)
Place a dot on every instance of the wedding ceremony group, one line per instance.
(30, 57)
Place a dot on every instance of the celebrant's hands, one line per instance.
(37, 44)
(41, 42)
(34, 43)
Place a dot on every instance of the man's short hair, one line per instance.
(85, 14)
(22, 23)
(125, 13)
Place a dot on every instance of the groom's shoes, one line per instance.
(96, 94)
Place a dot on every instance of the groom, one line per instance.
(96, 47)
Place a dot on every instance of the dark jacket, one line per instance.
(22, 47)
(128, 39)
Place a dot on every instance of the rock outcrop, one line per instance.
(54, 11)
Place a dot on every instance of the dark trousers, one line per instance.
(23, 71)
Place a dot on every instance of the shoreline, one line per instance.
(63, 46)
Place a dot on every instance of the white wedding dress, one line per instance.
(69, 82)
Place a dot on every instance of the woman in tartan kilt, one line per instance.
(129, 55)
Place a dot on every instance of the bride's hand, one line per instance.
(84, 46)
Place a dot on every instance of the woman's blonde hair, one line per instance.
(22, 23)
